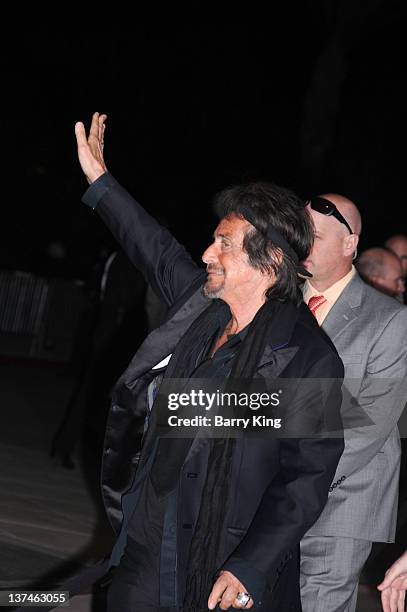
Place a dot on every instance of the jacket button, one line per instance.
(192, 475)
(115, 408)
(107, 451)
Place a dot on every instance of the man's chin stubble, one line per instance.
(212, 293)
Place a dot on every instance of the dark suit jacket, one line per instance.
(279, 486)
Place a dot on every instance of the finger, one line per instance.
(80, 134)
(216, 593)
(385, 597)
(228, 598)
(102, 137)
(81, 138)
(94, 127)
(394, 597)
(101, 127)
(402, 596)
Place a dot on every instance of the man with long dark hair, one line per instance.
(203, 520)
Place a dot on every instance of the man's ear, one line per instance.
(350, 244)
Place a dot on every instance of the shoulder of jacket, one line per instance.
(311, 336)
(385, 306)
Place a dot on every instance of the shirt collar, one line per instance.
(333, 292)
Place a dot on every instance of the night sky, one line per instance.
(311, 98)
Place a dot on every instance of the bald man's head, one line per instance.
(347, 209)
(398, 245)
(382, 269)
(334, 246)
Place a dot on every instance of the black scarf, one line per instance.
(171, 453)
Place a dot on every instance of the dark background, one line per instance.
(313, 97)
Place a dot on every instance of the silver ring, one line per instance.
(243, 599)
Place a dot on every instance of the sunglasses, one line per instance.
(325, 207)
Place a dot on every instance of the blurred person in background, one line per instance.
(398, 245)
(120, 325)
(383, 270)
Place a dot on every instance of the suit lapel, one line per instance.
(162, 341)
(345, 309)
(275, 360)
(339, 317)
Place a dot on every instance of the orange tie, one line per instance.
(315, 302)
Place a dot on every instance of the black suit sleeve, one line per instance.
(163, 261)
(295, 498)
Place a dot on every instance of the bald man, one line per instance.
(383, 270)
(369, 331)
(398, 245)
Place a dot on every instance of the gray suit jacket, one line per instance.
(369, 330)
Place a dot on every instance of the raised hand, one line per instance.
(90, 150)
